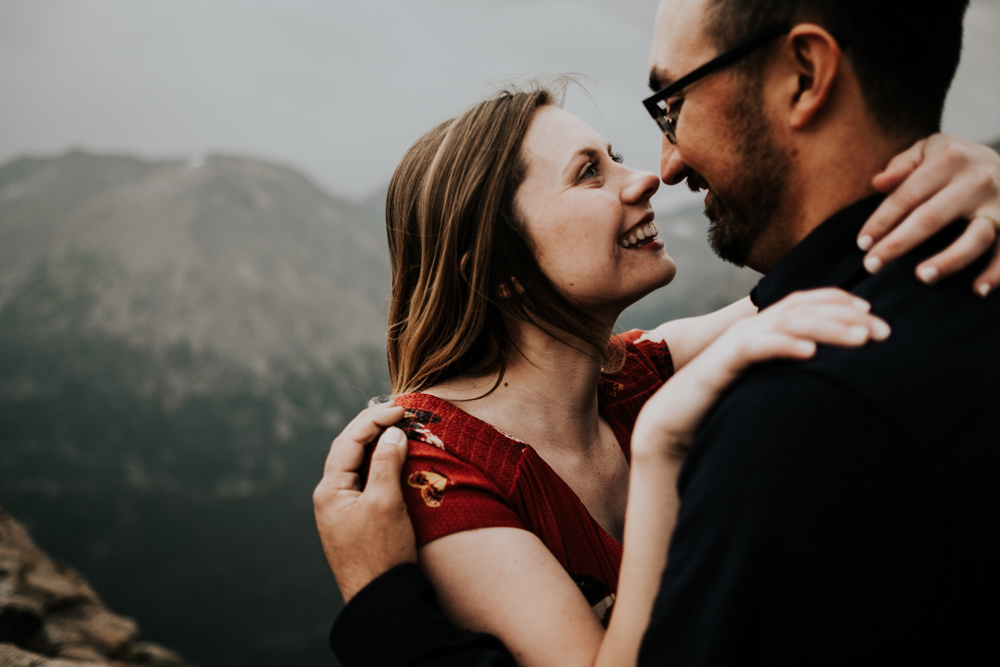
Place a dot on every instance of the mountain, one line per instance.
(51, 617)
(179, 342)
(231, 256)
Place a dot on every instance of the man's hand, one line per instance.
(365, 533)
(937, 181)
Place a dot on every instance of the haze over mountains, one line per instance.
(179, 342)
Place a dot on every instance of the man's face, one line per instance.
(725, 144)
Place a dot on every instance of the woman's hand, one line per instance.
(790, 329)
(939, 180)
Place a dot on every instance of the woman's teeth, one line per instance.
(647, 232)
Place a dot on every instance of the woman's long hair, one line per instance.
(463, 268)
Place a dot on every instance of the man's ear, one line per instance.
(816, 59)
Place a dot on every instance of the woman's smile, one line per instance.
(641, 235)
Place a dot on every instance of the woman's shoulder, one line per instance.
(455, 435)
(645, 351)
(460, 472)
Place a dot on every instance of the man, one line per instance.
(839, 510)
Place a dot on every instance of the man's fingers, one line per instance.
(347, 451)
(387, 464)
(378, 419)
(977, 238)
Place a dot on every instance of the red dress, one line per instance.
(462, 474)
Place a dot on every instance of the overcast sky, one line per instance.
(340, 88)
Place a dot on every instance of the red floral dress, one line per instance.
(462, 474)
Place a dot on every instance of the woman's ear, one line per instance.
(815, 58)
(508, 285)
(462, 263)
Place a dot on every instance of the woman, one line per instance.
(517, 238)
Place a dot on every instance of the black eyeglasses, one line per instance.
(666, 114)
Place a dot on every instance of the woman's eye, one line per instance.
(618, 157)
(590, 171)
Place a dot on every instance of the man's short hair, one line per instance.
(905, 53)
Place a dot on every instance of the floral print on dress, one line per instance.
(415, 423)
(431, 484)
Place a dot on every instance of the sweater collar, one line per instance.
(828, 257)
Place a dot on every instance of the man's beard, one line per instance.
(740, 214)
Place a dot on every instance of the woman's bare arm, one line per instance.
(687, 337)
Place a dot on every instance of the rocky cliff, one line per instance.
(51, 617)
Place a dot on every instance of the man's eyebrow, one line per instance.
(659, 79)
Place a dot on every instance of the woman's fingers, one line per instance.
(956, 180)
(794, 326)
(976, 240)
(900, 167)
(831, 325)
(988, 280)
(929, 218)
(822, 295)
(909, 182)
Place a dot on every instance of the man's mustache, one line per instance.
(696, 182)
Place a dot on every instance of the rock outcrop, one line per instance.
(51, 617)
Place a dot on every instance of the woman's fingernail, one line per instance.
(928, 274)
(857, 334)
(862, 305)
(873, 264)
(865, 242)
(984, 289)
(806, 346)
(880, 330)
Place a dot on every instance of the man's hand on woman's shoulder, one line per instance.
(364, 527)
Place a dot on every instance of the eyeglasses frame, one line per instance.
(730, 57)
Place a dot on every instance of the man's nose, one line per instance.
(672, 167)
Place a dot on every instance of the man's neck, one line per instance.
(828, 177)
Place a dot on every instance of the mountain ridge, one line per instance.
(234, 256)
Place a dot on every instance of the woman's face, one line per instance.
(588, 216)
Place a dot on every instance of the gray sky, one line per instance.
(340, 88)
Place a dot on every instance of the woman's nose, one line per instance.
(642, 185)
